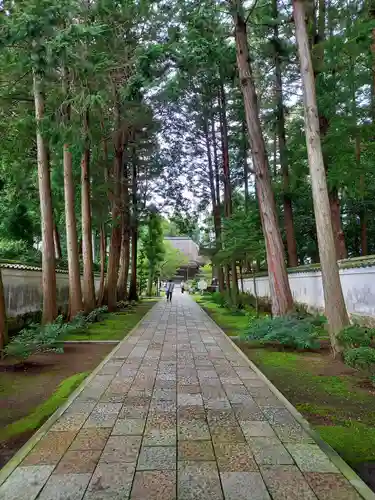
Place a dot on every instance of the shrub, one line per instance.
(245, 300)
(36, 339)
(77, 323)
(289, 331)
(96, 315)
(361, 358)
(356, 336)
(220, 299)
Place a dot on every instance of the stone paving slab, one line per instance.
(176, 413)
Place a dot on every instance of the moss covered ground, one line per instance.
(233, 323)
(114, 326)
(42, 412)
(336, 400)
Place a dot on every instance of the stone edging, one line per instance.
(16, 460)
(357, 483)
(93, 341)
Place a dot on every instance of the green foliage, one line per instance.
(288, 331)
(356, 336)
(81, 320)
(19, 250)
(37, 339)
(242, 235)
(220, 299)
(113, 326)
(154, 247)
(361, 358)
(143, 271)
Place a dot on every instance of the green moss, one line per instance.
(277, 359)
(234, 323)
(115, 326)
(337, 386)
(284, 364)
(312, 409)
(45, 410)
(355, 442)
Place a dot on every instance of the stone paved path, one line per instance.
(176, 413)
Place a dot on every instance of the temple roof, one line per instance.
(188, 247)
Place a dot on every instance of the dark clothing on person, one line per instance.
(170, 287)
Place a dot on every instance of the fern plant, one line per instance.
(289, 331)
(36, 339)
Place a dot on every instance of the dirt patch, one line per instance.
(320, 419)
(23, 389)
(324, 365)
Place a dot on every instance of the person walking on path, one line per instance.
(182, 287)
(169, 289)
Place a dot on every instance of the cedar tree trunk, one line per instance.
(333, 296)
(44, 182)
(87, 249)
(281, 296)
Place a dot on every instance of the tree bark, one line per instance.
(75, 291)
(87, 247)
(282, 301)
(3, 317)
(122, 283)
(133, 293)
(364, 239)
(287, 202)
(211, 179)
(362, 214)
(241, 279)
(103, 254)
(317, 41)
(57, 242)
(225, 151)
(235, 288)
(115, 240)
(214, 191)
(228, 207)
(338, 232)
(217, 215)
(334, 300)
(245, 167)
(227, 278)
(44, 181)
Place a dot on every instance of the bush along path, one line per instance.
(41, 370)
(335, 395)
(176, 412)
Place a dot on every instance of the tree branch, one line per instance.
(251, 10)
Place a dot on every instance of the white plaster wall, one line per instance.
(23, 290)
(358, 286)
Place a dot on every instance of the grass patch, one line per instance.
(234, 323)
(115, 326)
(42, 412)
(354, 441)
